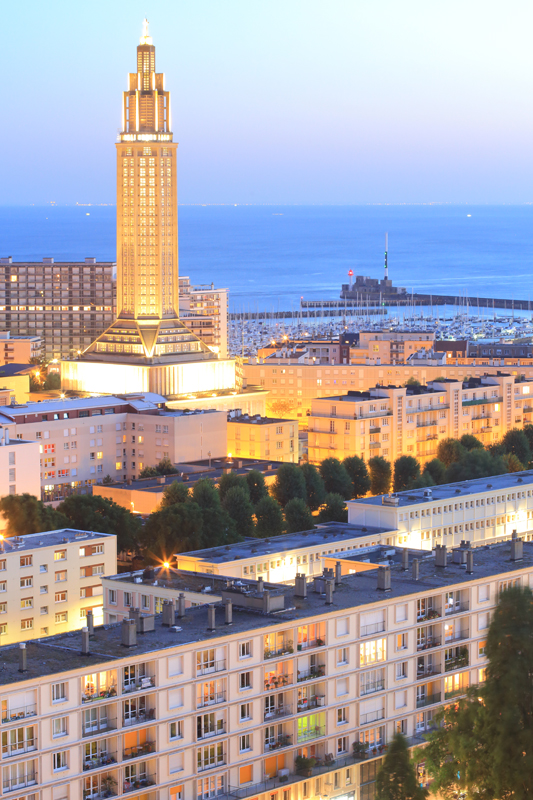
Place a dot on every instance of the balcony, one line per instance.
(99, 726)
(427, 671)
(374, 686)
(104, 694)
(460, 662)
(211, 699)
(428, 700)
(428, 644)
(103, 760)
(311, 643)
(309, 674)
(374, 445)
(138, 717)
(372, 716)
(145, 682)
(17, 749)
(203, 766)
(278, 742)
(375, 627)
(210, 734)
(458, 636)
(375, 429)
(431, 424)
(20, 782)
(132, 785)
(457, 608)
(318, 701)
(279, 711)
(313, 733)
(455, 692)
(431, 613)
(283, 651)
(278, 681)
(22, 712)
(212, 667)
(137, 752)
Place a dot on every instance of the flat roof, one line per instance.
(323, 535)
(61, 653)
(181, 580)
(257, 419)
(448, 491)
(33, 541)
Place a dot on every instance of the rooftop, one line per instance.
(496, 483)
(34, 541)
(257, 419)
(61, 653)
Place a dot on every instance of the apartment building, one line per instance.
(48, 582)
(204, 310)
(85, 439)
(480, 511)
(385, 347)
(220, 704)
(67, 304)
(19, 467)
(262, 437)
(19, 349)
(293, 384)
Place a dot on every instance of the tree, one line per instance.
(107, 480)
(256, 485)
(449, 451)
(528, 433)
(380, 475)
(269, 518)
(436, 469)
(175, 493)
(289, 484)
(148, 472)
(358, 472)
(412, 382)
(423, 481)
(512, 464)
(237, 504)
(336, 478)
(218, 527)
(298, 516)
(470, 442)
(516, 442)
(174, 529)
(485, 746)
(24, 514)
(314, 486)
(396, 779)
(166, 467)
(334, 509)
(52, 381)
(406, 471)
(475, 464)
(93, 513)
(229, 481)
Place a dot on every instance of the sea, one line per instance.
(271, 256)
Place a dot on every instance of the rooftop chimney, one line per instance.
(469, 562)
(85, 642)
(211, 624)
(168, 614)
(129, 633)
(330, 585)
(181, 605)
(405, 559)
(415, 567)
(300, 585)
(517, 549)
(384, 579)
(440, 555)
(90, 622)
(514, 534)
(260, 585)
(338, 572)
(23, 658)
(135, 615)
(228, 612)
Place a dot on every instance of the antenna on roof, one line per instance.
(386, 249)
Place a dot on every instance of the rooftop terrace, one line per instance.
(34, 541)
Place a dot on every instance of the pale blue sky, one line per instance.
(277, 101)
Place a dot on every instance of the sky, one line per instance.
(277, 101)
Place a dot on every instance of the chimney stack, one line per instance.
(300, 585)
(330, 585)
(168, 614)
(135, 615)
(85, 642)
(181, 605)
(415, 567)
(405, 559)
(384, 579)
(517, 549)
(514, 534)
(228, 612)
(211, 624)
(90, 622)
(23, 658)
(129, 633)
(469, 562)
(338, 573)
(260, 585)
(440, 555)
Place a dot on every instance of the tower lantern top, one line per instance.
(146, 38)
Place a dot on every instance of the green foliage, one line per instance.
(334, 509)
(380, 472)
(148, 472)
(485, 745)
(25, 514)
(528, 433)
(516, 442)
(470, 442)
(449, 451)
(412, 382)
(205, 494)
(298, 516)
(336, 478)
(315, 489)
(396, 779)
(269, 518)
(230, 480)
(107, 480)
(512, 464)
(93, 513)
(256, 485)
(175, 493)
(237, 504)
(423, 481)
(166, 467)
(406, 471)
(358, 472)
(52, 382)
(218, 527)
(174, 529)
(289, 484)
(436, 469)
(475, 464)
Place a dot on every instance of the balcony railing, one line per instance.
(431, 424)
(312, 733)
(457, 636)
(318, 642)
(278, 681)
(210, 734)
(308, 674)
(431, 613)
(17, 749)
(282, 651)
(372, 716)
(311, 702)
(457, 608)
(427, 671)
(20, 782)
(427, 644)
(278, 711)
(209, 669)
(14, 714)
(211, 699)
(146, 682)
(456, 663)
(373, 686)
(455, 692)
(104, 694)
(203, 766)
(375, 429)
(374, 445)
(375, 627)
(98, 727)
(428, 700)
(133, 784)
(278, 742)
(136, 718)
(103, 760)
(140, 750)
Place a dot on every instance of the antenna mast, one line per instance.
(386, 249)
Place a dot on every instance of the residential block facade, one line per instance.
(262, 437)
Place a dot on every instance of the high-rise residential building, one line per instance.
(205, 310)
(68, 304)
(254, 436)
(147, 347)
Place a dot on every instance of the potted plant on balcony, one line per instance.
(359, 749)
(109, 786)
(304, 766)
(320, 642)
(290, 648)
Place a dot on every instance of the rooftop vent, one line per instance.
(489, 485)
(457, 491)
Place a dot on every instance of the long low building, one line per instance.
(221, 701)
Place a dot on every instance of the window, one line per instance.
(245, 711)
(342, 745)
(62, 617)
(112, 595)
(61, 597)
(26, 561)
(43, 568)
(60, 555)
(127, 599)
(245, 680)
(43, 590)
(61, 576)
(401, 670)
(342, 717)
(373, 651)
(342, 656)
(26, 583)
(26, 624)
(60, 726)
(482, 649)
(176, 730)
(244, 742)
(401, 641)
(245, 649)
(59, 692)
(59, 760)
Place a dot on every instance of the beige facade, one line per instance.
(263, 438)
(186, 713)
(389, 348)
(205, 309)
(19, 349)
(19, 467)
(396, 421)
(48, 581)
